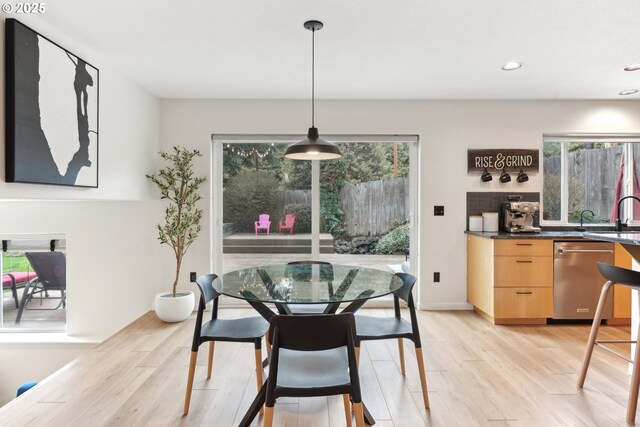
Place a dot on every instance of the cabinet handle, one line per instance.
(522, 261)
(524, 244)
(524, 293)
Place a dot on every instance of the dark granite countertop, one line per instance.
(631, 236)
(542, 235)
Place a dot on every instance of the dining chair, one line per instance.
(313, 356)
(370, 328)
(246, 329)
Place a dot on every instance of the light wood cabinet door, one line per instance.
(520, 303)
(523, 247)
(523, 271)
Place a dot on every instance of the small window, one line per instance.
(589, 172)
(33, 284)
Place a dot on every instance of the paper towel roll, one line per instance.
(490, 221)
(475, 223)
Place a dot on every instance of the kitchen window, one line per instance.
(590, 172)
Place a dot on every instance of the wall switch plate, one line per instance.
(436, 276)
(438, 210)
(193, 276)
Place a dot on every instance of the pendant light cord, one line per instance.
(313, 77)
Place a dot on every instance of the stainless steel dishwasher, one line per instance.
(576, 280)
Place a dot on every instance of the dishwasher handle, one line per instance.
(584, 251)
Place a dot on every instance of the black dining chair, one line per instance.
(313, 355)
(246, 329)
(370, 328)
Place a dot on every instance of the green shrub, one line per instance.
(394, 242)
(246, 196)
(330, 212)
(303, 217)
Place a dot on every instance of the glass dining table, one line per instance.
(322, 286)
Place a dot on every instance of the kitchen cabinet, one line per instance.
(510, 281)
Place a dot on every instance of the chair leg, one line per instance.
(357, 355)
(24, 300)
(595, 326)
(423, 377)
(359, 412)
(347, 408)
(192, 370)
(401, 351)
(259, 372)
(633, 388)
(210, 362)
(268, 345)
(268, 416)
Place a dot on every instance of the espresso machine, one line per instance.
(518, 217)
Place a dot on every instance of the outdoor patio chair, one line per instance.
(287, 224)
(263, 223)
(11, 280)
(51, 268)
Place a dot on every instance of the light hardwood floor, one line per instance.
(478, 375)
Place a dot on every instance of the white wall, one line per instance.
(112, 251)
(446, 129)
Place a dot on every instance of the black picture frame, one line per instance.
(52, 112)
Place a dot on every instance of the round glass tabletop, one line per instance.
(307, 283)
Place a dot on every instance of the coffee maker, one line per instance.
(518, 217)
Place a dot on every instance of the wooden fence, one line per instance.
(375, 208)
(289, 197)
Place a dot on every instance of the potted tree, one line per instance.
(177, 183)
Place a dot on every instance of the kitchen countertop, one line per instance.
(629, 236)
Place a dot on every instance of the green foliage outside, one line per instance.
(394, 242)
(303, 217)
(247, 195)
(15, 261)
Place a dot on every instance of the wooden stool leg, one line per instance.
(268, 416)
(423, 377)
(192, 370)
(633, 388)
(210, 363)
(359, 412)
(259, 372)
(401, 351)
(594, 332)
(357, 355)
(347, 408)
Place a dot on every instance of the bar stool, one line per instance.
(630, 279)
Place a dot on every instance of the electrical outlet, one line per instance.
(436, 276)
(438, 210)
(193, 276)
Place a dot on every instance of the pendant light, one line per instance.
(313, 148)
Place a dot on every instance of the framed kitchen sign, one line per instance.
(51, 112)
(511, 160)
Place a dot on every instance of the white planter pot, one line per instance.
(170, 309)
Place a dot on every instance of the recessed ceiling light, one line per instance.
(510, 66)
(632, 67)
(629, 92)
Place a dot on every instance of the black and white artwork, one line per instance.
(52, 112)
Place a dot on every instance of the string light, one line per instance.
(253, 152)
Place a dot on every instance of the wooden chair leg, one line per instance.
(633, 388)
(423, 377)
(595, 326)
(359, 413)
(401, 351)
(192, 370)
(357, 349)
(210, 363)
(268, 416)
(259, 372)
(347, 408)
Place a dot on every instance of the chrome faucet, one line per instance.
(618, 222)
(581, 228)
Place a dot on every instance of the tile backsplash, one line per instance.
(478, 202)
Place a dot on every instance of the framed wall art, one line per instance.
(51, 112)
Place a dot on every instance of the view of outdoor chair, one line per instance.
(287, 224)
(263, 223)
(11, 280)
(51, 268)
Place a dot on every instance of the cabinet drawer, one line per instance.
(523, 303)
(528, 247)
(523, 271)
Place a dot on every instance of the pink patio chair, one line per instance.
(287, 224)
(263, 223)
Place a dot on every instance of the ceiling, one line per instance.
(368, 49)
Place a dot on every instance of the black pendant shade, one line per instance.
(313, 148)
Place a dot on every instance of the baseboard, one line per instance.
(446, 306)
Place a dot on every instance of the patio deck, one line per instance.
(263, 243)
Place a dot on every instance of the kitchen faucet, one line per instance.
(581, 228)
(618, 222)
